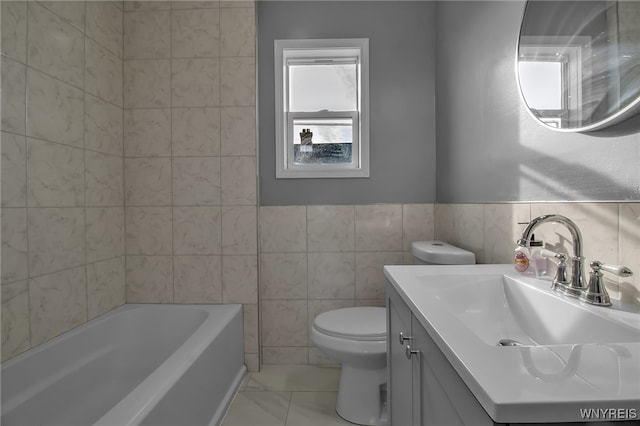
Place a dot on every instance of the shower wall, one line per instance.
(62, 168)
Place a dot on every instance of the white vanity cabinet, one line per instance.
(423, 387)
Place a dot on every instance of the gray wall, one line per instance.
(489, 148)
(402, 96)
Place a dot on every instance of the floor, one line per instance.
(287, 395)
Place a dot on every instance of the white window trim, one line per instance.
(309, 50)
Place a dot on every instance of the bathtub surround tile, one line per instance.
(284, 323)
(147, 132)
(239, 181)
(240, 279)
(283, 229)
(103, 180)
(417, 224)
(195, 33)
(103, 126)
(237, 80)
(14, 30)
(379, 227)
(147, 34)
(502, 229)
(197, 230)
(72, 11)
(195, 131)
(196, 181)
(13, 95)
(239, 230)
(14, 170)
(15, 318)
(283, 276)
(55, 46)
(105, 286)
(330, 228)
(250, 321)
(147, 181)
(148, 230)
(149, 279)
(104, 233)
(263, 408)
(195, 82)
(238, 131)
(56, 239)
(104, 25)
(370, 279)
(331, 275)
(147, 83)
(54, 110)
(237, 32)
(197, 279)
(14, 244)
(103, 76)
(58, 302)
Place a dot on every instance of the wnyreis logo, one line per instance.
(608, 413)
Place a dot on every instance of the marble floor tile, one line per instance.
(314, 409)
(292, 378)
(258, 408)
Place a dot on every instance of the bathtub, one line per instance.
(174, 365)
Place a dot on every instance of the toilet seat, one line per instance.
(365, 324)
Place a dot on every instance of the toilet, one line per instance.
(357, 339)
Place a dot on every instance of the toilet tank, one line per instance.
(440, 253)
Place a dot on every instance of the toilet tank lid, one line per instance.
(441, 253)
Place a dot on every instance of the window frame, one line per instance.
(320, 50)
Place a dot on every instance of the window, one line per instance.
(322, 114)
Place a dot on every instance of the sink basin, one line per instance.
(500, 307)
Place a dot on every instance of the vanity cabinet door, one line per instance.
(400, 380)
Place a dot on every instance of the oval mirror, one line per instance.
(578, 62)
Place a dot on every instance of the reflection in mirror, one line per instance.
(579, 62)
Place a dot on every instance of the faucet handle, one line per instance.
(596, 293)
(619, 270)
(561, 273)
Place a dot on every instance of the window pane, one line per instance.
(323, 87)
(322, 141)
(541, 84)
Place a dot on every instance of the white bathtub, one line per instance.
(174, 365)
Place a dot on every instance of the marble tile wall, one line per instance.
(62, 167)
(190, 176)
(317, 258)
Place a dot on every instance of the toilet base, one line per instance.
(362, 396)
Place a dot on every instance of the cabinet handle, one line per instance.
(402, 338)
(409, 352)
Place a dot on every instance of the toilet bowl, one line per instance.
(357, 339)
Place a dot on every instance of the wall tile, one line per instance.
(195, 33)
(146, 5)
(195, 131)
(250, 317)
(104, 233)
(13, 95)
(237, 32)
(185, 4)
(284, 355)
(197, 230)
(104, 25)
(240, 279)
(147, 132)
(55, 46)
(14, 169)
(104, 180)
(58, 302)
(462, 225)
(105, 286)
(14, 244)
(629, 249)
(103, 128)
(379, 227)
(283, 229)
(149, 279)
(147, 34)
(147, 181)
(15, 318)
(147, 83)
(238, 130)
(417, 224)
(55, 175)
(284, 323)
(501, 230)
(56, 239)
(239, 230)
(236, 3)
(69, 11)
(331, 275)
(239, 181)
(283, 276)
(237, 77)
(14, 30)
(330, 228)
(148, 230)
(198, 279)
(370, 280)
(103, 76)
(54, 110)
(195, 82)
(196, 181)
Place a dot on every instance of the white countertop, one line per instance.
(535, 383)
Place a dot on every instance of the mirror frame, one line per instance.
(625, 113)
